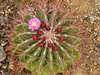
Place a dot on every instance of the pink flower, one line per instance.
(34, 23)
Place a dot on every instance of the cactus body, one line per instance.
(52, 47)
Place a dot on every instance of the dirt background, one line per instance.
(90, 15)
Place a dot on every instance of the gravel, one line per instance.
(2, 54)
(90, 11)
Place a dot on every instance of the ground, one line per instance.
(89, 11)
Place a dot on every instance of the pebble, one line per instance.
(4, 43)
(2, 54)
(0, 64)
(95, 63)
(4, 66)
(2, 73)
(85, 16)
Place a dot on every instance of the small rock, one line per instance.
(85, 16)
(98, 38)
(95, 63)
(2, 54)
(11, 66)
(1, 49)
(0, 64)
(5, 66)
(3, 44)
(2, 73)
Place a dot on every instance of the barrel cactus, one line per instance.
(46, 40)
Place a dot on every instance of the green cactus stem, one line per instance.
(52, 47)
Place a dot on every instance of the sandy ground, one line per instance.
(90, 14)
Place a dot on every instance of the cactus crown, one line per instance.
(52, 46)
